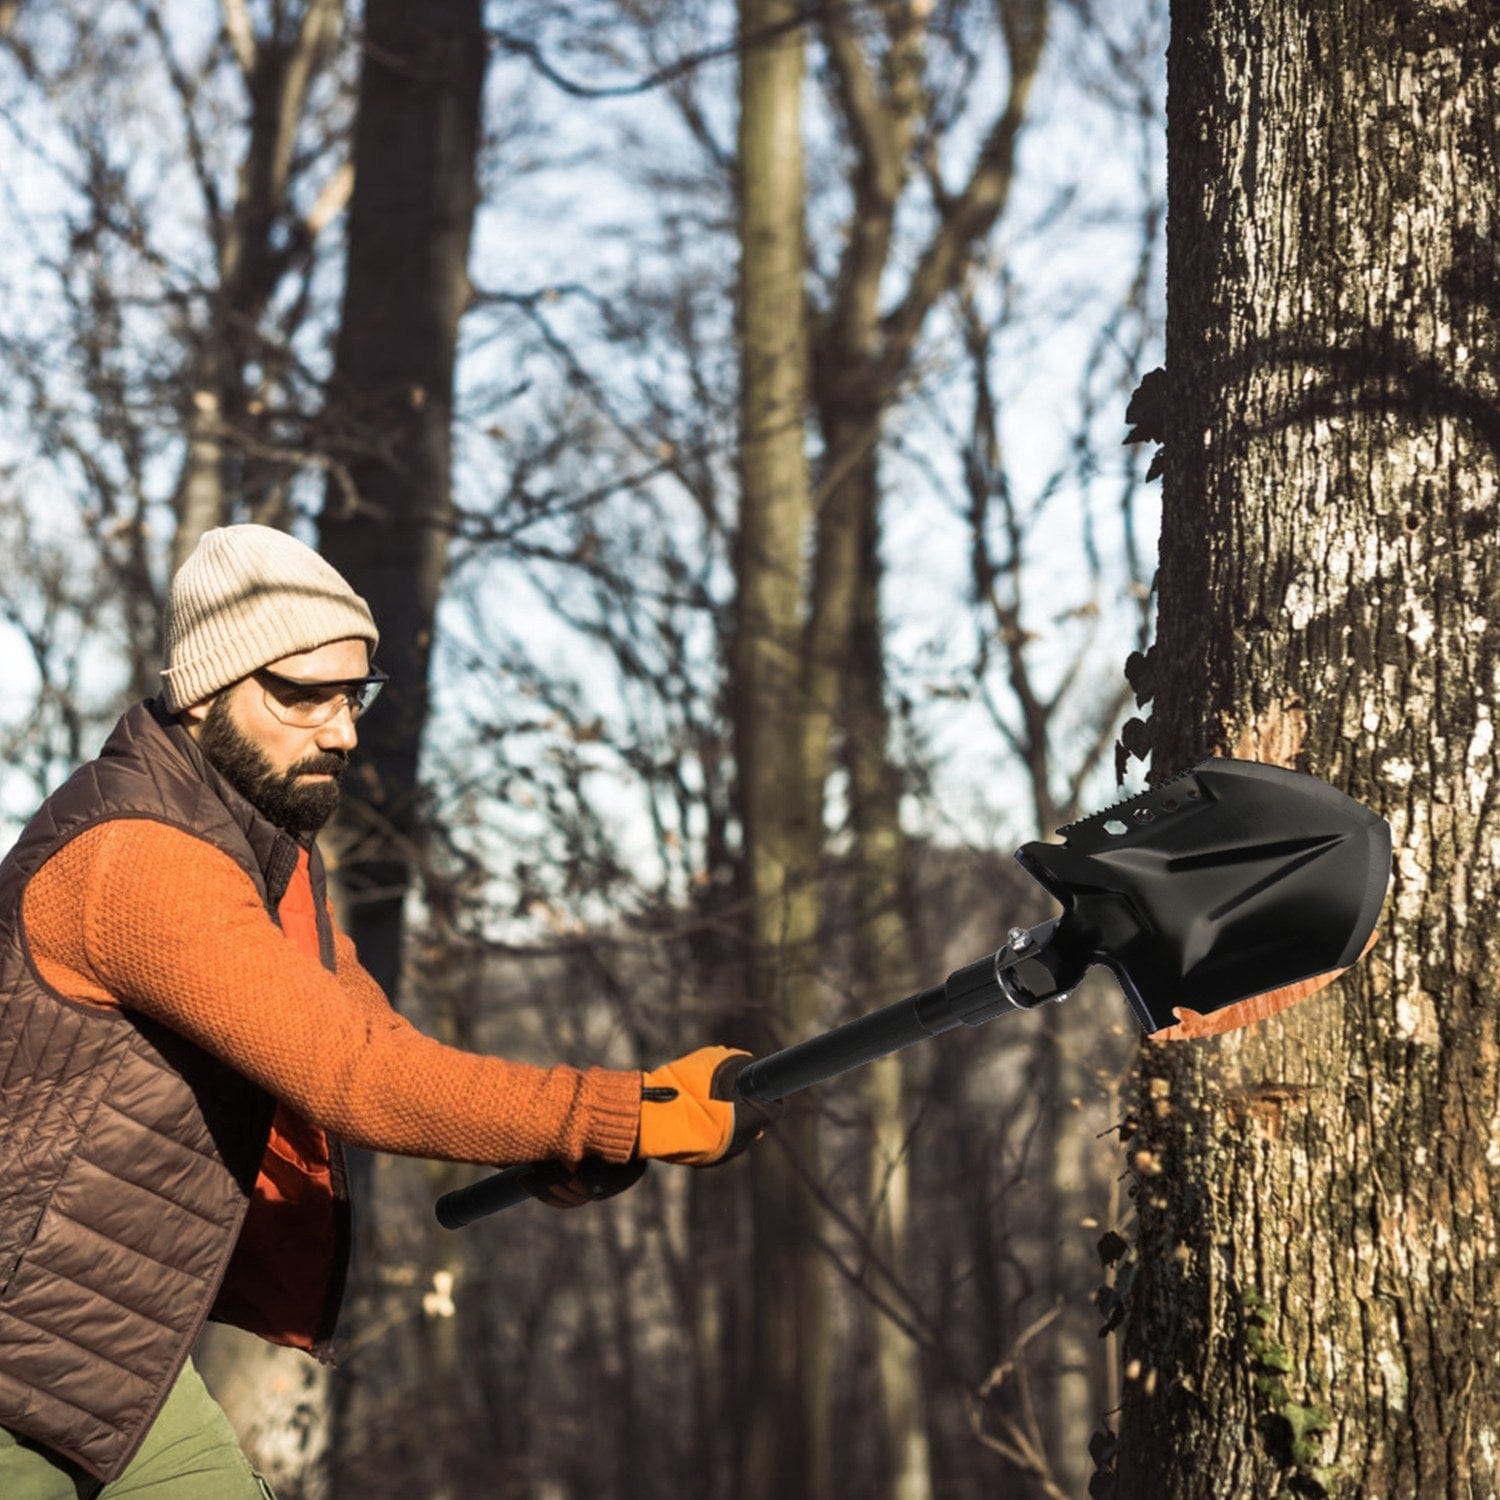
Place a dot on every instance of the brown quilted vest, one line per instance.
(127, 1154)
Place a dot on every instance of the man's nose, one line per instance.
(339, 732)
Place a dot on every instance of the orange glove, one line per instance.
(689, 1113)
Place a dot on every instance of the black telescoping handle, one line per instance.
(464, 1205)
(1022, 974)
(855, 1043)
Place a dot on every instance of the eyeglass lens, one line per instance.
(310, 706)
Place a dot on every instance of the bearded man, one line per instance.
(186, 1039)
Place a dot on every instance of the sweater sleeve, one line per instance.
(172, 927)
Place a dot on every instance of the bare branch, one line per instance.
(1020, 1445)
(866, 111)
(331, 201)
(186, 90)
(969, 215)
(524, 46)
(317, 37)
(241, 33)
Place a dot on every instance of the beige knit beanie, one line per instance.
(248, 595)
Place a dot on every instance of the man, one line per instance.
(186, 1038)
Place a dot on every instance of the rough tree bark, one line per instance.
(389, 421)
(1318, 1255)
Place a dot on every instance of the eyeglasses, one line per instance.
(309, 705)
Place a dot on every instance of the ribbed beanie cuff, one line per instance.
(246, 596)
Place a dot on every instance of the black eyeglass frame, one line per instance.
(358, 693)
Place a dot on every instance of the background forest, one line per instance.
(181, 306)
(722, 409)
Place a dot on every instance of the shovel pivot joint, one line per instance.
(1032, 968)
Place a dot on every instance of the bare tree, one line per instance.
(260, 241)
(779, 750)
(388, 514)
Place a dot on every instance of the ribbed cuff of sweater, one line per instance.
(614, 1112)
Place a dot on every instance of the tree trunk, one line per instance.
(885, 967)
(391, 407)
(389, 418)
(1314, 1304)
(860, 357)
(780, 796)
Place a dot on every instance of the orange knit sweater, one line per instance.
(276, 1283)
(140, 914)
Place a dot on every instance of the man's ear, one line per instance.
(191, 718)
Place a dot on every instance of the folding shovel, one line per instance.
(1216, 899)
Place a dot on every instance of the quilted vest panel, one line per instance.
(127, 1153)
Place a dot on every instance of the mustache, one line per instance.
(329, 764)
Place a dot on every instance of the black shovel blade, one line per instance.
(1232, 879)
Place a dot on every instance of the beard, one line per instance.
(299, 810)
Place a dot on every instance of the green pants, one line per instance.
(191, 1453)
